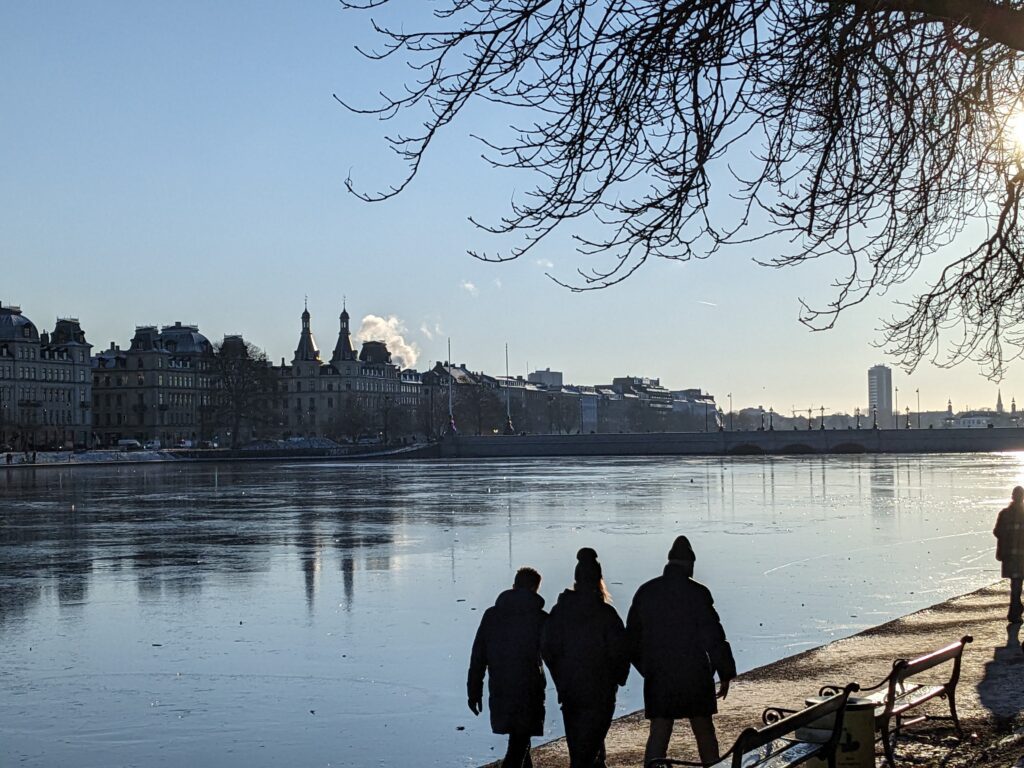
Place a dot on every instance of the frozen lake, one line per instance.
(321, 614)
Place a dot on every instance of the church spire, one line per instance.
(999, 402)
(343, 349)
(307, 349)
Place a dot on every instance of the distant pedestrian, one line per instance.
(1009, 533)
(507, 648)
(677, 643)
(585, 648)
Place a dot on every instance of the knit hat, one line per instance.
(588, 569)
(681, 550)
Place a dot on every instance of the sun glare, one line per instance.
(1015, 124)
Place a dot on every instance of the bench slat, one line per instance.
(780, 753)
(919, 695)
(911, 695)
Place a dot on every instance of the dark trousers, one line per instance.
(585, 730)
(1016, 607)
(518, 753)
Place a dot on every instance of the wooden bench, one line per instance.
(788, 738)
(897, 694)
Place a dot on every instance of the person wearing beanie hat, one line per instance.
(507, 649)
(677, 644)
(584, 646)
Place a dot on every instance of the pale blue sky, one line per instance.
(186, 161)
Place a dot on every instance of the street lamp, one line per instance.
(918, 393)
(896, 409)
(856, 413)
(771, 419)
(730, 411)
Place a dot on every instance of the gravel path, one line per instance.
(990, 696)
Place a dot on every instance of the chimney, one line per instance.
(112, 346)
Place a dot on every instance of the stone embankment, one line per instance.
(990, 696)
(287, 452)
(727, 443)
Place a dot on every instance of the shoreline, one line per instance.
(990, 695)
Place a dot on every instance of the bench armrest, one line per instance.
(774, 714)
(835, 690)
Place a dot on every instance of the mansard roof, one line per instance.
(14, 326)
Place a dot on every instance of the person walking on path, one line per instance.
(584, 646)
(1009, 533)
(507, 648)
(677, 644)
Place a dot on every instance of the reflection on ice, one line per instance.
(264, 614)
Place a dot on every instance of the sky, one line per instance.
(187, 161)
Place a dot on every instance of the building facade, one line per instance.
(352, 396)
(157, 390)
(880, 402)
(45, 387)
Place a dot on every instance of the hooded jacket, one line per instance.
(584, 646)
(507, 647)
(677, 643)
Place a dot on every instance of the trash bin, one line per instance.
(857, 741)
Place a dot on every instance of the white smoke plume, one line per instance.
(389, 330)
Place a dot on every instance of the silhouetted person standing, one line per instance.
(1009, 533)
(677, 643)
(584, 646)
(507, 647)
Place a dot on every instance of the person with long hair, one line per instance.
(584, 646)
(1009, 533)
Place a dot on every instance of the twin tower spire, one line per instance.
(307, 350)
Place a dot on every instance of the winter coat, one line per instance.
(677, 643)
(507, 647)
(1009, 532)
(584, 646)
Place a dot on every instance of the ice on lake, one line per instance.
(321, 613)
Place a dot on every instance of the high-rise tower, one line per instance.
(880, 394)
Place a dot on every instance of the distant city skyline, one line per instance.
(187, 162)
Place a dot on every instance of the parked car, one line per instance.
(129, 444)
(152, 445)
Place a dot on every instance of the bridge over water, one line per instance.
(737, 443)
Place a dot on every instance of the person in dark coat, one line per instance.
(584, 646)
(677, 644)
(1009, 533)
(507, 647)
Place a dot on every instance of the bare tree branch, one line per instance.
(869, 132)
